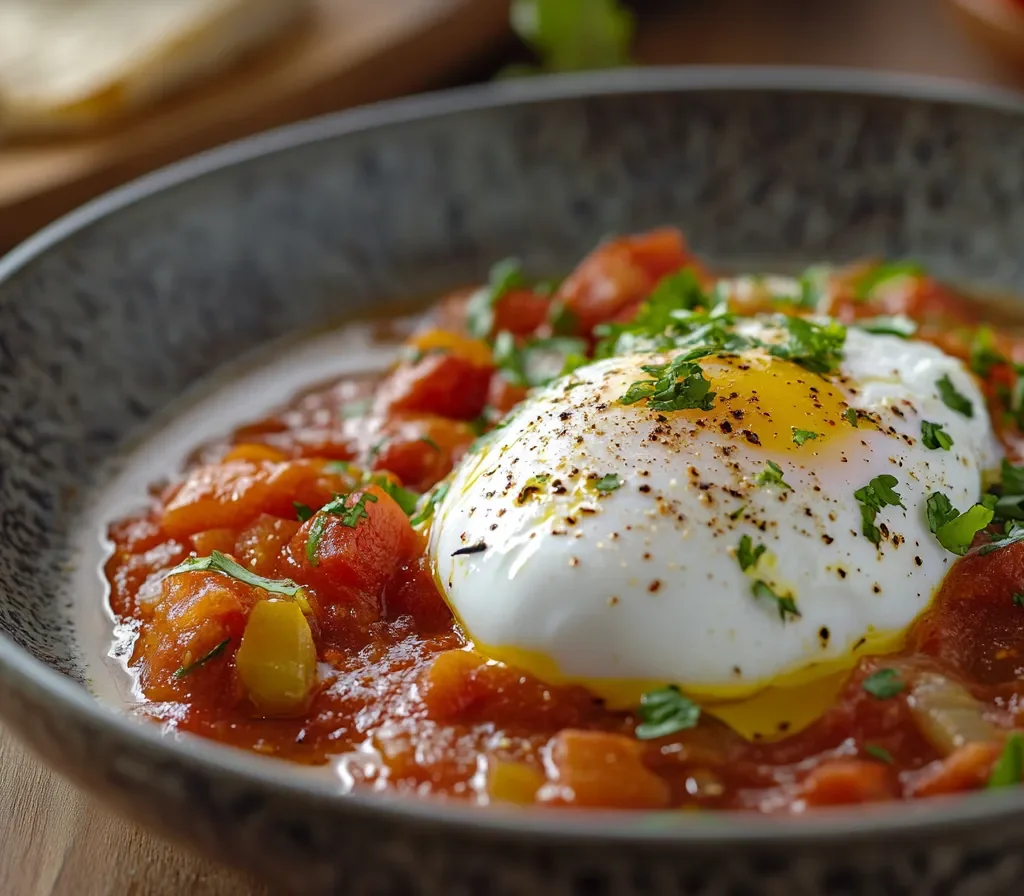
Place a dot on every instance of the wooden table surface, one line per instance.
(55, 840)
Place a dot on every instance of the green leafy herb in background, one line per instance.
(573, 35)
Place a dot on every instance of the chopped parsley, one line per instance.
(608, 483)
(814, 346)
(879, 753)
(953, 399)
(403, 497)
(851, 417)
(1018, 599)
(878, 493)
(885, 273)
(803, 435)
(1009, 767)
(738, 512)
(539, 361)
(665, 711)
(564, 321)
(889, 325)
(955, 531)
(884, 684)
(183, 671)
(427, 511)
(349, 516)
(984, 354)
(772, 475)
(222, 563)
(747, 554)
(935, 437)
(1010, 505)
(783, 602)
(1012, 533)
(677, 386)
(813, 283)
(302, 511)
(1012, 478)
(504, 276)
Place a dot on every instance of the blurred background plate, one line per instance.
(346, 53)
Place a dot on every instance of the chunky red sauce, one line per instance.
(368, 661)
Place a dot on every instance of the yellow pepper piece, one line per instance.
(475, 351)
(513, 782)
(276, 660)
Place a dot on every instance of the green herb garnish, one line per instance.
(1012, 534)
(888, 325)
(203, 660)
(879, 753)
(436, 497)
(984, 354)
(851, 417)
(878, 493)
(803, 435)
(772, 475)
(539, 361)
(222, 563)
(815, 347)
(955, 531)
(885, 273)
(677, 386)
(504, 276)
(884, 684)
(784, 602)
(1009, 767)
(747, 554)
(608, 483)
(302, 511)
(953, 399)
(665, 711)
(934, 436)
(1018, 599)
(564, 321)
(349, 516)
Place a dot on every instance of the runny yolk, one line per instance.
(760, 400)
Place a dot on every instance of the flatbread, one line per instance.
(68, 64)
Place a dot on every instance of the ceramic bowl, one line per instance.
(113, 312)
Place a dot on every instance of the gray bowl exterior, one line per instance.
(114, 312)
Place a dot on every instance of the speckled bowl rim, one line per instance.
(710, 830)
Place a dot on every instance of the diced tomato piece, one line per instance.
(420, 449)
(448, 686)
(198, 612)
(414, 592)
(967, 768)
(364, 556)
(210, 540)
(128, 573)
(621, 273)
(973, 625)
(521, 312)
(136, 536)
(839, 782)
(503, 395)
(231, 495)
(253, 451)
(595, 769)
(437, 384)
(262, 545)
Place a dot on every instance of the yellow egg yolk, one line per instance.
(762, 401)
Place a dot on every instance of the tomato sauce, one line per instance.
(367, 667)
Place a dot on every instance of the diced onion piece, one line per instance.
(513, 782)
(947, 715)
(276, 660)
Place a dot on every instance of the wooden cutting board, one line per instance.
(346, 52)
